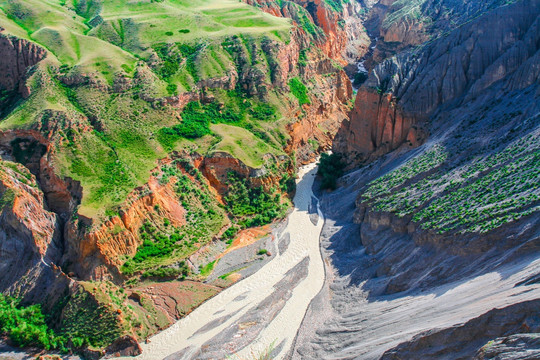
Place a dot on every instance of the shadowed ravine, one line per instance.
(262, 310)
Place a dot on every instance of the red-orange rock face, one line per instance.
(342, 39)
(30, 238)
(378, 125)
(335, 37)
(17, 56)
(321, 119)
(98, 253)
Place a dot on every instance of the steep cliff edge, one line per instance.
(401, 94)
(18, 56)
(31, 237)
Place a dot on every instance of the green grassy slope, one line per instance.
(109, 138)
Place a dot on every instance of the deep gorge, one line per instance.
(150, 151)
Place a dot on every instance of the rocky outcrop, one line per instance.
(217, 166)
(320, 121)
(393, 106)
(18, 55)
(30, 239)
(30, 148)
(513, 347)
(334, 29)
(400, 25)
(123, 346)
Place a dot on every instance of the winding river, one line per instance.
(263, 311)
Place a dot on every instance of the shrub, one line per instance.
(359, 78)
(172, 89)
(25, 325)
(196, 119)
(299, 90)
(330, 169)
(263, 112)
(229, 234)
(254, 206)
(171, 60)
(168, 272)
(302, 58)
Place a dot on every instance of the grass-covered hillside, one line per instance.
(111, 91)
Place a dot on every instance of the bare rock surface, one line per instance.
(392, 107)
(513, 347)
(123, 346)
(462, 342)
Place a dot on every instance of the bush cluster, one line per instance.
(196, 119)
(330, 169)
(168, 272)
(299, 90)
(252, 206)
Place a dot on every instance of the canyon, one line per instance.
(150, 182)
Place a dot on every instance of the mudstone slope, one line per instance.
(433, 237)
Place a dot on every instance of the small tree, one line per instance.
(330, 169)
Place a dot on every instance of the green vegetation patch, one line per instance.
(336, 5)
(416, 166)
(253, 206)
(25, 326)
(330, 169)
(234, 121)
(208, 268)
(477, 196)
(181, 269)
(7, 198)
(299, 90)
(87, 322)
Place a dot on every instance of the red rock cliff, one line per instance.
(392, 107)
(17, 56)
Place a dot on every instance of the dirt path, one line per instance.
(264, 309)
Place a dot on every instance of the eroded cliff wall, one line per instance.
(392, 108)
(18, 55)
